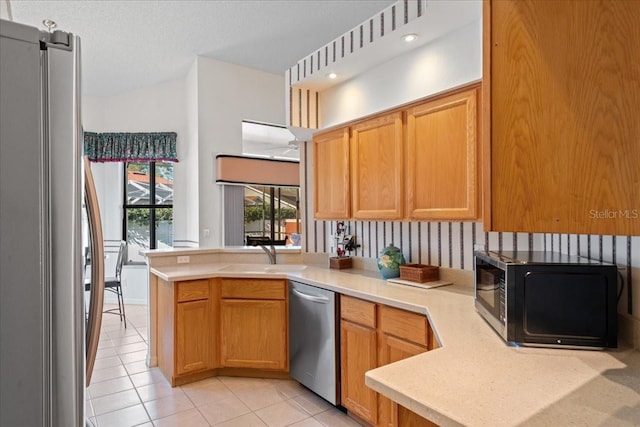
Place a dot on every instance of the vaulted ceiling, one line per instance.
(131, 44)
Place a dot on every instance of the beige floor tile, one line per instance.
(223, 410)
(114, 385)
(106, 352)
(239, 383)
(158, 390)
(207, 391)
(309, 422)
(247, 420)
(107, 362)
(130, 348)
(311, 404)
(151, 376)
(105, 343)
(127, 339)
(113, 402)
(88, 409)
(136, 367)
(281, 414)
(288, 388)
(127, 417)
(188, 418)
(168, 405)
(335, 418)
(136, 356)
(259, 397)
(104, 374)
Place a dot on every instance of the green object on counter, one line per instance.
(389, 261)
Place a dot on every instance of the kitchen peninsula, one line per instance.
(473, 378)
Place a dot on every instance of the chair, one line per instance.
(114, 284)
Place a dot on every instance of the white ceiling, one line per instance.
(131, 44)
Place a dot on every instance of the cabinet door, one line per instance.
(254, 334)
(377, 168)
(392, 349)
(564, 116)
(358, 354)
(193, 345)
(332, 194)
(441, 158)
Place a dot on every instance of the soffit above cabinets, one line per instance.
(379, 39)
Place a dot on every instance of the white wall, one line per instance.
(450, 61)
(160, 108)
(228, 94)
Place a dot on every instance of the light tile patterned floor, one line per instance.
(124, 392)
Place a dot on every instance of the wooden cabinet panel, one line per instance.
(404, 324)
(192, 290)
(358, 354)
(392, 349)
(253, 288)
(441, 158)
(377, 168)
(564, 122)
(332, 195)
(358, 311)
(194, 346)
(407, 418)
(364, 346)
(254, 334)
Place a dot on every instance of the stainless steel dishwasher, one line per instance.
(313, 340)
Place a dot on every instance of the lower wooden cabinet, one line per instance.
(186, 328)
(374, 335)
(358, 354)
(208, 325)
(254, 334)
(254, 324)
(194, 343)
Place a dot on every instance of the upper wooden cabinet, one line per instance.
(419, 162)
(441, 158)
(332, 194)
(377, 168)
(561, 78)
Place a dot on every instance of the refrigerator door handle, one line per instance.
(97, 270)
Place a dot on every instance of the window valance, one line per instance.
(130, 147)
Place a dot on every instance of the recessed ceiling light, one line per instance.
(332, 75)
(409, 37)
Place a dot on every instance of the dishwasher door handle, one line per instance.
(320, 300)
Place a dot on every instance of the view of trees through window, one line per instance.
(148, 207)
(271, 212)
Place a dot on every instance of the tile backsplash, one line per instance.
(450, 245)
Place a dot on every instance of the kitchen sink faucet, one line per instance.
(271, 253)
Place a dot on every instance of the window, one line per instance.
(271, 213)
(148, 207)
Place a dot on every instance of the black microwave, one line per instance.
(547, 299)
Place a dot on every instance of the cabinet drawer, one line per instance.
(358, 311)
(404, 324)
(193, 290)
(253, 289)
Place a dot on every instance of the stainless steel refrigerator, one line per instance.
(48, 334)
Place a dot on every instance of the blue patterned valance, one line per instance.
(130, 147)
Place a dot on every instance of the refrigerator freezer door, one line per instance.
(41, 290)
(24, 276)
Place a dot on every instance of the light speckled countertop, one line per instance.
(474, 379)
